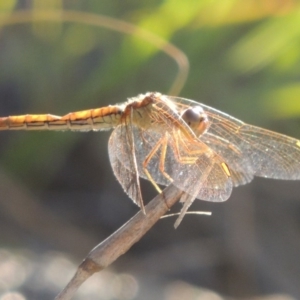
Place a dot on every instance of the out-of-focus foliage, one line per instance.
(244, 60)
(7, 5)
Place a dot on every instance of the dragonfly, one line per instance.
(171, 140)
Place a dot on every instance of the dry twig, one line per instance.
(121, 241)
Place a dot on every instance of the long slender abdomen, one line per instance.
(92, 119)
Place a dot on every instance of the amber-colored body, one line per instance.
(202, 151)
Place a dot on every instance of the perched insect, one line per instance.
(202, 151)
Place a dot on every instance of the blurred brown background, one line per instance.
(58, 195)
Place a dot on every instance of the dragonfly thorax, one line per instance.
(196, 119)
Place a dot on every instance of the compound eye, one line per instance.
(196, 118)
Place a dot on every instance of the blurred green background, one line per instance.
(58, 195)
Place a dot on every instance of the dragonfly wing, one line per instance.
(277, 155)
(270, 154)
(204, 176)
(120, 154)
(208, 178)
(240, 165)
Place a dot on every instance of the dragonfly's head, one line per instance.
(196, 118)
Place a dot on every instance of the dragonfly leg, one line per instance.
(184, 159)
(146, 162)
(163, 159)
(162, 142)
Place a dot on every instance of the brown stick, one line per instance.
(121, 241)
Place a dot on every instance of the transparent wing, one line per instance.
(277, 155)
(203, 177)
(261, 152)
(241, 168)
(120, 153)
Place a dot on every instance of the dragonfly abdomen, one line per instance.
(94, 119)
